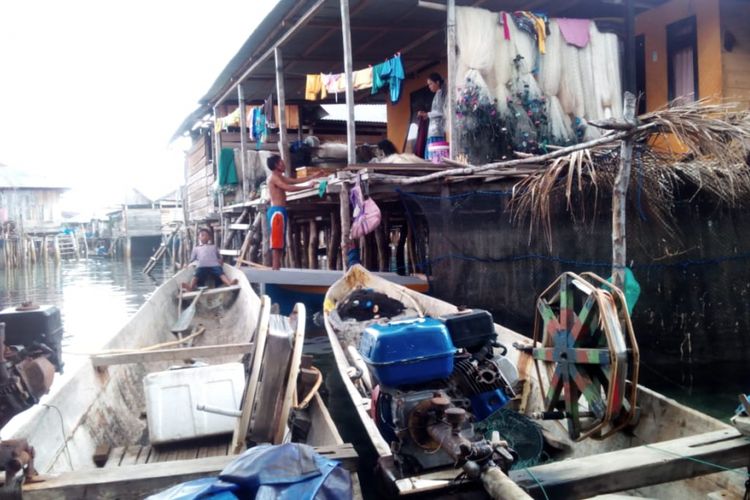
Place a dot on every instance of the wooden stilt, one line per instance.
(266, 232)
(381, 248)
(346, 222)
(304, 238)
(312, 255)
(334, 241)
(401, 251)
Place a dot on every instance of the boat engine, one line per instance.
(30, 354)
(430, 393)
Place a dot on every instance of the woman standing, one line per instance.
(437, 148)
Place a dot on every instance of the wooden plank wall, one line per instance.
(32, 209)
(200, 178)
(736, 62)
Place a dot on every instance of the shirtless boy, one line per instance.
(278, 186)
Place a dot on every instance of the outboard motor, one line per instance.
(30, 354)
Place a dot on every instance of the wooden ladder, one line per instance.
(239, 224)
(151, 264)
(68, 246)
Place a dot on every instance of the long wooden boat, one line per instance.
(667, 451)
(99, 413)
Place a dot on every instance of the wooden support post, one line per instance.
(45, 249)
(265, 232)
(450, 92)
(126, 253)
(294, 244)
(243, 140)
(283, 140)
(304, 238)
(382, 249)
(346, 222)
(619, 197)
(312, 247)
(334, 242)
(350, 132)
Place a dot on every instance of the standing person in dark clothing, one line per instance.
(209, 262)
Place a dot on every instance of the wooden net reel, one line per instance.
(588, 354)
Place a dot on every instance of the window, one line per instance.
(682, 60)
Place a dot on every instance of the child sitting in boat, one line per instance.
(209, 262)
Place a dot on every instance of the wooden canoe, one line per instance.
(100, 407)
(672, 452)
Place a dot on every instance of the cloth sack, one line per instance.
(366, 215)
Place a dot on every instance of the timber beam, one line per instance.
(637, 467)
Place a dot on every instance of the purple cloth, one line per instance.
(206, 255)
(575, 31)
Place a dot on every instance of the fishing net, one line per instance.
(521, 433)
(545, 91)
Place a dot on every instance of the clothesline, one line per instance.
(376, 77)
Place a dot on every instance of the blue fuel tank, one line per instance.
(408, 352)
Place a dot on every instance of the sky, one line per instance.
(91, 91)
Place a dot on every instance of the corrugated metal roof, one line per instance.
(379, 28)
(16, 178)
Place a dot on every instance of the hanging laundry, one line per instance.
(227, 168)
(362, 79)
(393, 70)
(377, 77)
(575, 31)
(506, 31)
(540, 26)
(268, 111)
(313, 86)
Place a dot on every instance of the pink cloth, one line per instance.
(506, 30)
(575, 31)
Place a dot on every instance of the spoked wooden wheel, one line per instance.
(588, 353)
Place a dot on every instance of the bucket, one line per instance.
(438, 151)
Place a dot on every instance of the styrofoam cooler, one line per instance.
(172, 398)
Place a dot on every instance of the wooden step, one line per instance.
(231, 253)
(239, 227)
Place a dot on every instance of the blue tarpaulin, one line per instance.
(288, 472)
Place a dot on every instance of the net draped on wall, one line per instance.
(526, 81)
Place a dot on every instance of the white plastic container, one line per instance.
(172, 398)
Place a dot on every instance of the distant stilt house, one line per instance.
(136, 226)
(30, 214)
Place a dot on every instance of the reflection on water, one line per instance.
(95, 297)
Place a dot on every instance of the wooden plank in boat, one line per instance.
(212, 291)
(115, 457)
(131, 455)
(638, 467)
(176, 354)
(143, 455)
(138, 481)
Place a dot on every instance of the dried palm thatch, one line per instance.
(710, 145)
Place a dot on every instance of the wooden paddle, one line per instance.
(186, 317)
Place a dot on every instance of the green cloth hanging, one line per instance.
(227, 168)
(631, 289)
